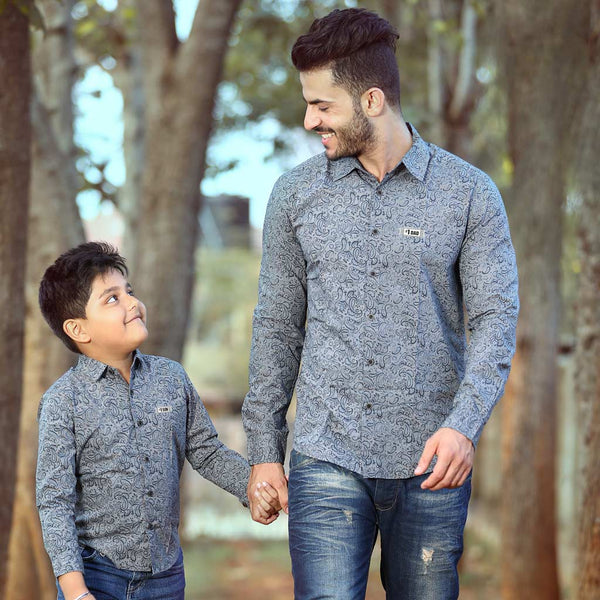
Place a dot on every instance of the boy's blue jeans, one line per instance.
(334, 518)
(107, 582)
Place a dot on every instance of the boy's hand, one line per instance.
(261, 508)
(268, 499)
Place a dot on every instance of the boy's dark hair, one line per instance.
(359, 47)
(66, 285)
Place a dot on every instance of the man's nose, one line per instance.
(311, 118)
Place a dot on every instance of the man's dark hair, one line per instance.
(358, 46)
(67, 284)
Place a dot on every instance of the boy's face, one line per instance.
(115, 322)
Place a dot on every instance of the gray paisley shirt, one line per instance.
(110, 457)
(364, 282)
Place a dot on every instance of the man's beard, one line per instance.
(355, 138)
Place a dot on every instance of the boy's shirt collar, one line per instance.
(95, 370)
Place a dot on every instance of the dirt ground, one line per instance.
(259, 570)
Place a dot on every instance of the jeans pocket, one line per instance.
(88, 553)
(298, 460)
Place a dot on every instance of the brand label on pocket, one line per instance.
(410, 232)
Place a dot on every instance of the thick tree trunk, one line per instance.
(14, 184)
(587, 357)
(180, 90)
(540, 48)
(54, 226)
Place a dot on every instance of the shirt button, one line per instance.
(372, 273)
(371, 317)
(150, 493)
(146, 459)
(150, 526)
(375, 231)
(370, 361)
(140, 423)
(378, 191)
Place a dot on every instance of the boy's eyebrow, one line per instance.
(114, 288)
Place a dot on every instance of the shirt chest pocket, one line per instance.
(405, 257)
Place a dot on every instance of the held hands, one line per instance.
(267, 492)
(454, 459)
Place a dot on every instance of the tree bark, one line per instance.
(15, 136)
(181, 83)
(54, 226)
(540, 46)
(587, 355)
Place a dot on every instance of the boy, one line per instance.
(113, 434)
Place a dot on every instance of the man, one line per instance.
(370, 250)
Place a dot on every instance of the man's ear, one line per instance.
(373, 102)
(75, 329)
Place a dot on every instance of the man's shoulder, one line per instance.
(305, 172)
(449, 164)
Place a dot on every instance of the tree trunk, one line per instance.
(54, 226)
(540, 47)
(181, 83)
(15, 142)
(587, 356)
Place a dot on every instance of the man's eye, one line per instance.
(323, 108)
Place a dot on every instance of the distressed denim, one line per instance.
(336, 514)
(107, 582)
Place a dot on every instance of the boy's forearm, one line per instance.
(72, 585)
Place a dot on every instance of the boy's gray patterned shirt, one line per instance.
(364, 282)
(110, 457)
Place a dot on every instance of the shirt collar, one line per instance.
(95, 370)
(416, 160)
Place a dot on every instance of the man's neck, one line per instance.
(393, 141)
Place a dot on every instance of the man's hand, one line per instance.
(271, 473)
(454, 459)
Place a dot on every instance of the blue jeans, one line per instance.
(334, 518)
(107, 582)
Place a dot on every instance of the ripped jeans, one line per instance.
(334, 518)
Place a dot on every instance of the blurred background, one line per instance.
(161, 126)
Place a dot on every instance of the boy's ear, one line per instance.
(75, 329)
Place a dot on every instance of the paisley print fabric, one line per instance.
(110, 457)
(363, 283)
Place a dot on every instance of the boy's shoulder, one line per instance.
(160, 366)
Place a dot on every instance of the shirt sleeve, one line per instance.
(56, 482)
(488, 274)
(278, 332)
(208, 455)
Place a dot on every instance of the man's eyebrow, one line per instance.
(319, 101)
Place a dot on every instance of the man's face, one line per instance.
(330, 111)
(115, 318)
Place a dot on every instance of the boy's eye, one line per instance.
(111, 299)
(131, 292)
